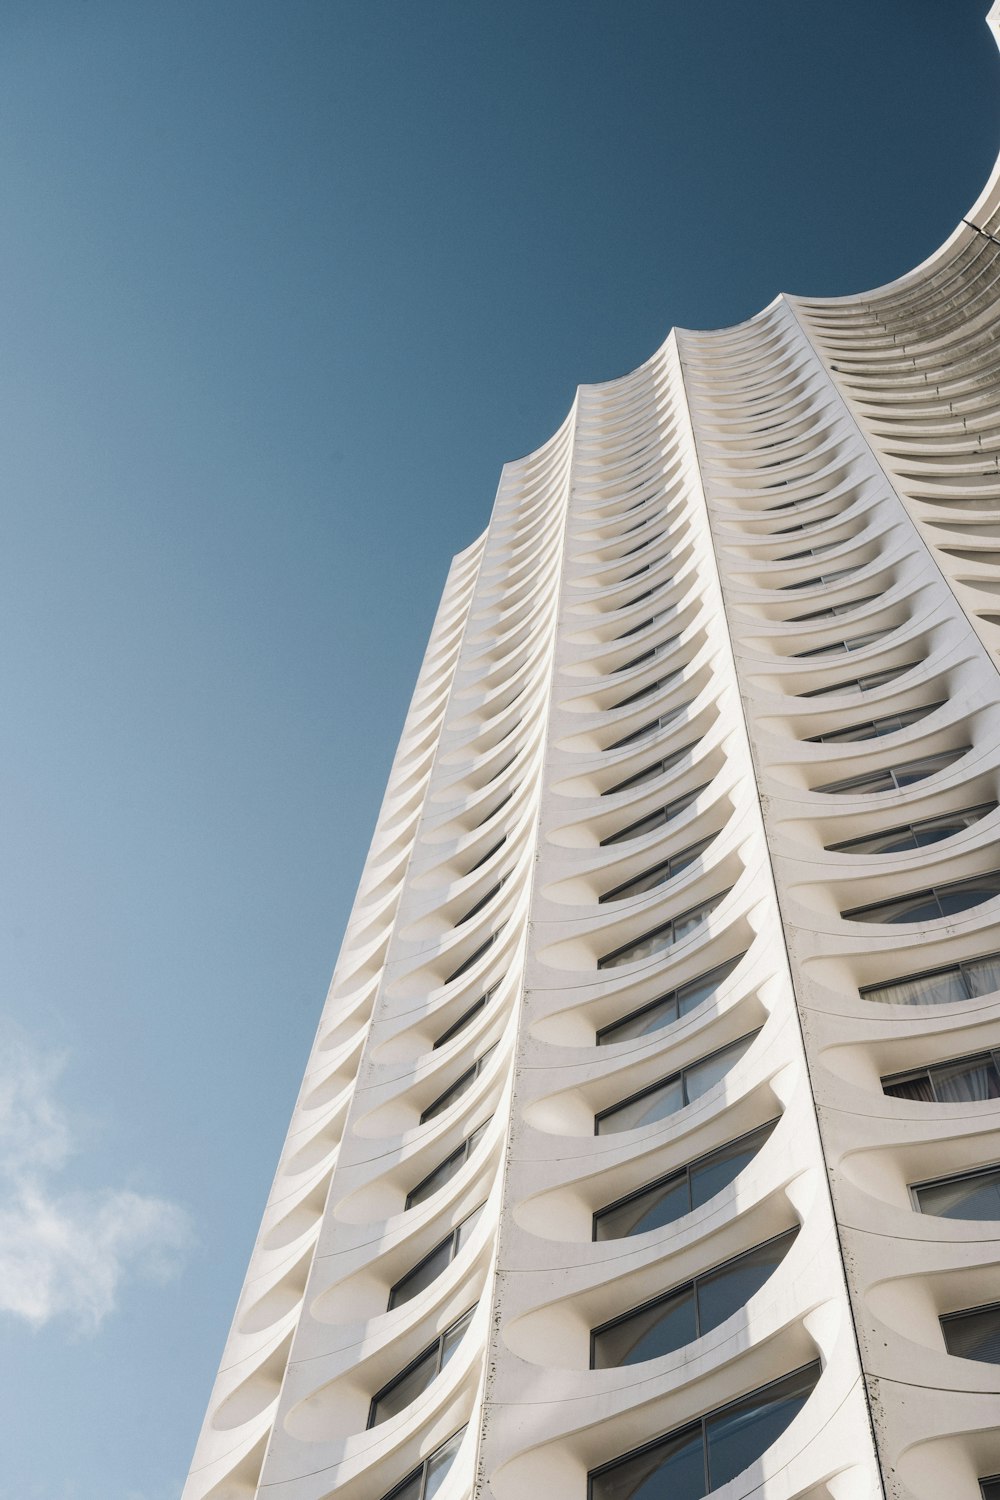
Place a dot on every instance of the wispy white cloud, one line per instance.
(64, 1252)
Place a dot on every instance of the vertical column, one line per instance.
(873, 712)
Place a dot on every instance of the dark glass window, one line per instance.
(461, 1085)
(474, 957)
(849, 643)
(677, 1194)
(961, 981)
(863, 684)
(673, 1093)
(650, 728)
(425, 1481)
(903, 836)
(657, 619)
(650, 655)
(688, 1464)
(649, 773)
(483, 902)
(669, 1322)
(658, 874)
(832, 610)
(661, 937)
(411, 1382)
(974, 1334)
(894, 778)
(657, 819)
(493, 849)
(812, 583)
(990, 1488)
(430, 1268)
(970, 1195)
(935, 901)
(466, 1016)
(872, 729)
(964, 1080)
(647, 691)
(666, 1008)
(445, 1170)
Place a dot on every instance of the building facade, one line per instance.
(650, 1142)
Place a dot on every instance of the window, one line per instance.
(661, 937)
(894, 778)
(459, 1087)
(811, 583)
(466, 1016)
(446, 1170)
(650, 655)
(650, 773)
(650, 728)
(689, 1463)
(664, 614)
(658, 874)
(666, 1008)
(903, 836)
(425, 1481)
(671, 1094)
(850, 643)
(664, 814)
(667, 1323)
(969, 1195)
(964, 1080)
(679, 1193)
(872, 729)
(833, 610)
(410, 1383)
(639, 545)
(974, 1334)
(430, 1268)
(990, 1488)
(863, 684)
(645, 692)
(812, 551)
(961, 981)
(483, 902)
(935, 901)
(474, 957)
(487, 856)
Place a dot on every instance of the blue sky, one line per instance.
(282, 284)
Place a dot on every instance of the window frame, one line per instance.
(914, 1188)
(452, 1238)
(988, 1054)
(693, 851)
(729, 965)
(703, 909)
(467, 1076)
(691, 1285)
(983, 809)
(931, 892)
(681, 1077)
(436, 1347)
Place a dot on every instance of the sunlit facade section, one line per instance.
(649, 1147)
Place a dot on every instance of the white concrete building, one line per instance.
(650, 1142)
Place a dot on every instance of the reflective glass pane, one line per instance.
(409, 1489)
(440, 1462)
(974, 1197)
(967, 1082)
(961, 897)
(655, 1105)
(983, 974)
(691, 995)
(990, 1488)
(723, 1292)
(974, 1335)
(740, 1435)
(660, 1329)
(437, 1178)
(925, 989)
(640, 1023)
(452, 1336)
(407, 1388)
(704, 1075)
(422, 1275)
(464, 1230)
(673, 1470)
(662, 1204)
(723, 1167)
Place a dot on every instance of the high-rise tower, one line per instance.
(650, 1142)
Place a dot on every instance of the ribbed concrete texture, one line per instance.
(650, 1142)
